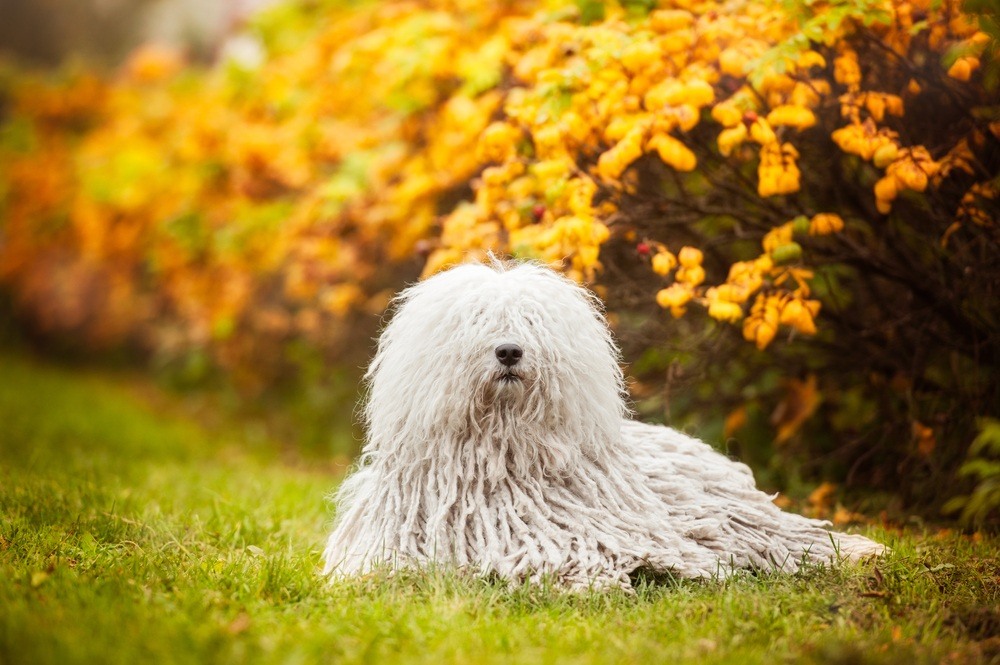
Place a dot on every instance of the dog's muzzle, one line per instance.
(509, 356)
(509, 377)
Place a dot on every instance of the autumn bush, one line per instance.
(789, 207)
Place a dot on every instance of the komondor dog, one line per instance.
(498, 440)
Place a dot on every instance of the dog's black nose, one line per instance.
(509, 354)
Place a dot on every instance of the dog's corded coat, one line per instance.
(532, 467)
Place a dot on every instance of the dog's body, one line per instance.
(498, 440)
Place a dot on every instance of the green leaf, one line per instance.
(639, 8)
(18, 135)
(954, 505)
(591, 11)
(988, 440)
(223, 327)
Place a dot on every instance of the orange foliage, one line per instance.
(270, 198)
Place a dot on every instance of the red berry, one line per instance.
(749, 118)
(642, 248)
(538, 212)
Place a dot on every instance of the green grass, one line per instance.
(129, 533)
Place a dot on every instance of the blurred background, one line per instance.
(789, 208)
(104, 32)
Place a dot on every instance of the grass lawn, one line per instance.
(129, 533)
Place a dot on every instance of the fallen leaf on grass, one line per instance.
(239, 624)
(842, 516)
(821, 498)
(706, 645)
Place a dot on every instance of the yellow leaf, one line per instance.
(735, 421)
(923, 438)
(638, 56)
(761, 132)
(668, 20)
(792, 116)
(613, 162)
(153, 62)
(796, 315)
(842, 517)
(730, 139)
(759, 331)
(809, 59)
(692, 276)
(796, 407)
(961, 69)
(885, 189)
(663, 263)
(821, 498)
(38, 578)
(825, 224)
(727, 114)
(733, 62)
(690, 257)
(782, 501)
(588, 255)
(725, 311)
(673, 297)
(674, 153)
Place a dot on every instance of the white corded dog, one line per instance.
(498, 440)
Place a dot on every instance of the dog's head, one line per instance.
(514, 350)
